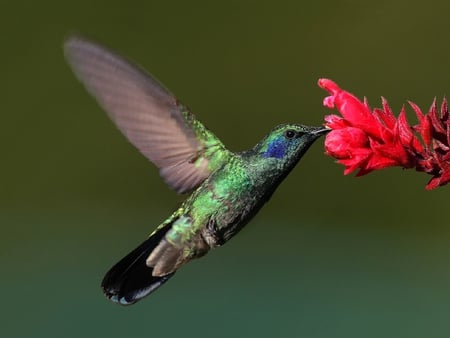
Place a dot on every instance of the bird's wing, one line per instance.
(151, 118)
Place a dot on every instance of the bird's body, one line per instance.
(227, 189)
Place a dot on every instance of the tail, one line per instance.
(131, 279)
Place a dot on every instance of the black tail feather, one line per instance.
(131, 279)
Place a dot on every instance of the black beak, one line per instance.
(319, 131)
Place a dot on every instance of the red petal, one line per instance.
(424, 126)
(445, 118)
(441, 146)
(433, 183)
(377, 162)
(405, 134)
(357, 160)
(335, 122)
(444, 109)
(426, 165)
(366, 103)
(417, 110)
(395, 154)
(363, 171)
(387, 133)
(351, 108)
(445, 178)
(385, 115)
(403, 130)
(446, 157)
(435, 120)
(439, 180)
(329, 102)
(329, 86)
(341, 143)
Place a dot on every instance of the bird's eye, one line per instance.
(290, 134)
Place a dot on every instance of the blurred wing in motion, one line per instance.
(151, 118)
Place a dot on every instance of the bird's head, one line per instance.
(283, 147)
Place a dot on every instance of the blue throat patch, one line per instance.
(276, 149)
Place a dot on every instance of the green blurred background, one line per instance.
(329, 256)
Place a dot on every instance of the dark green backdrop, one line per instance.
(329, 256)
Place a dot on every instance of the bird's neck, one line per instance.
(266, 172)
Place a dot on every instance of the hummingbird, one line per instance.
(226, 189)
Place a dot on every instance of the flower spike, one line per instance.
(369, 140)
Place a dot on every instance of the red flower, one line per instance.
(368, 140)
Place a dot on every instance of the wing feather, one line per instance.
(151, 118)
